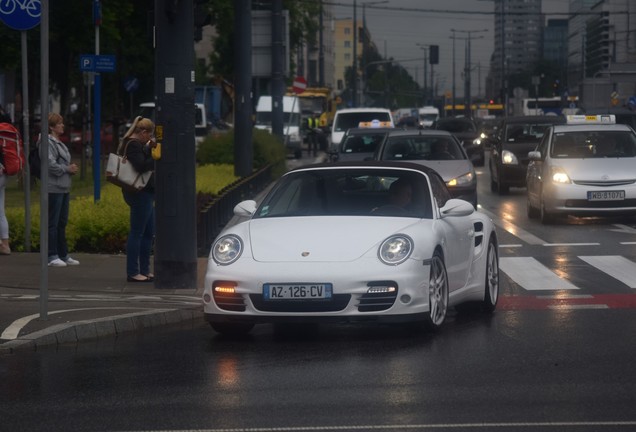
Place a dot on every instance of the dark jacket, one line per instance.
(141, 159)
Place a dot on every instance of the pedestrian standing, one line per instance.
(61, 170)
(138, 145)
(4, 223)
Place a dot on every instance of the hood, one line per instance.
(336, 137)
(324, 238)
(598, 170)
(448, 169)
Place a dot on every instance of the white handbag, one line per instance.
(120, 172)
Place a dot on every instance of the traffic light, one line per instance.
(433, 54)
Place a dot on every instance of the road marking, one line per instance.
(511, 246)
(624, 229)
(571, 244)
(616, 266)
(513, 229)
(531, 275)
(416, 427)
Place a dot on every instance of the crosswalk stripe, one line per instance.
(616, 266)
(532, 275)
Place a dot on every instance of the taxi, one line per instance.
(360, 143)
(583, 168)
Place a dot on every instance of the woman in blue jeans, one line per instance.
(138, 145)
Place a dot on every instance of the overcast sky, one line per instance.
(401, 24)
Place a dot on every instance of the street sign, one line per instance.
(131, 84)
(21, 15)
(299, 85)
(97, 63)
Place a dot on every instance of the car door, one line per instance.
(535, 168)
(459, 233)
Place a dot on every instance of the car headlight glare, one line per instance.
(509, 158)
(395, 249)
(559, 176)
(227, 249)
(477, 141)
(461, 180)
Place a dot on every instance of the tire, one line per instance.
(532, 212)
(491, 292)
(437, 292)
(545, 217)
(232, 329)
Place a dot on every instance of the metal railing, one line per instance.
(215, 215)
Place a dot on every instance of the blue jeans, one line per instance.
(58, 219)
(142, 231)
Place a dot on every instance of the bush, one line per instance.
(219, 149)
(102, 227)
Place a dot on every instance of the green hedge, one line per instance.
(102, 227)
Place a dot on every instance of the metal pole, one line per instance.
(354, 87)
(44, 156)
(26, 138)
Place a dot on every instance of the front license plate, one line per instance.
(606, 196)
(304, 291)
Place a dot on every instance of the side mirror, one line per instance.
(457, 207)
(534, 155)
(245, 208)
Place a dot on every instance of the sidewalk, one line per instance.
(84, 302)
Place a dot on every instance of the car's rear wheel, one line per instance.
(491, 294)
(232, 329)
(437, 292)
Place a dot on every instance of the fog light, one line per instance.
(406, 299)
(207, 298)
(381, 289)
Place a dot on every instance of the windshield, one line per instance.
(345, 121)
(421, 147)
(344, 192)
(526, 132)
(594, 144)
(362, 143)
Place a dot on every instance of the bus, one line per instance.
(550, 106)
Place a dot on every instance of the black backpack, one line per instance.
(35, 165)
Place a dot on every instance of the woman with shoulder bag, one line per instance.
(138, 144)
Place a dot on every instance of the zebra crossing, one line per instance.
(537, 286)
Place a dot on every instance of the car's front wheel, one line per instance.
(531, 211)
(437, 292)
(491, 294)
(232, 329)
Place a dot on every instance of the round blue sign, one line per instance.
(20, 14)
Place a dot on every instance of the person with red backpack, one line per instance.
(7, 146)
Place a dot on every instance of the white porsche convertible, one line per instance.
(357, 241)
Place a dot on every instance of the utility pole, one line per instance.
(354, 86)
(175, 210)
(467, 70)
(278, 80)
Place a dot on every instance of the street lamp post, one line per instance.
(364, 40)
(425, 48)
(467, 70)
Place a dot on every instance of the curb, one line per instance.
(92, 329)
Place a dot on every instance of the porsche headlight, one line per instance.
(560, 176)
(227, 249)
(509, 158)
(396, 249)
(461, 180)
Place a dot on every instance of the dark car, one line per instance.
(465, 129)
(515, 137)
(435, 149)
(358, 144)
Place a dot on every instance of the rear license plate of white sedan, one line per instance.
(310, 291)
(606, 195)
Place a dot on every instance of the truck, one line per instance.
(291, 118)
(317, 101)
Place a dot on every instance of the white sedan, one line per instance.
(327, 243)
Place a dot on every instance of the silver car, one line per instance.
(584, 167)
(435, 149)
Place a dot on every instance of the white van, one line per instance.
(428, 115)
(291, 119)
(147, 110)
(352, 117)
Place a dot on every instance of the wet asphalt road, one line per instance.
(569, 367)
